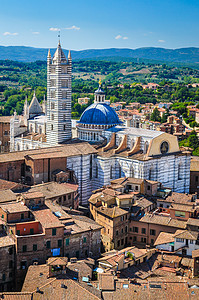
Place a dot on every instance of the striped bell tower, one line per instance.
(59, 73)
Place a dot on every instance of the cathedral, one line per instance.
(118, 150)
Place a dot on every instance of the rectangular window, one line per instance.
(143, 240)
(54, 231)
(135, 238)
(24, 248)
(143, 230)
(22, 216)
(122, 241)
(18, 232)
(136, 188)
(179, 240)
(77, 254)
(152, 232)
(84, 240)
(180, 214)
(4, 277)
(116, 232)
(191, 241)
(48, 244)
(34, 247)
(10, 251)
(67, 242)
(31, 230)
(59, 243)
(148, 187)
(135, 229)
(152, 241)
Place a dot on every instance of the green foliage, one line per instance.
(155, 116)
(192, 141)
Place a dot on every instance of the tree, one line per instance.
(155, 116)
(193, 140)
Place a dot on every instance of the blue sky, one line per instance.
(95, 24)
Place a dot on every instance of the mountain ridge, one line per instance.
(31, 54)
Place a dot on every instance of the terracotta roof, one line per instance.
(164, 238)
(15, 207)
(106, 282)
(32, 195)
(5, 185)
(54, 189)
(178, 198)
(67, 150)
(6, 241)
(163, 220)
(16, 296)
(47, 218)
(182, 207)
(5, 119)
(193, 222)
(185, 234)
(51, 287)
(112, 212)
(54, 261)
(7, 196)
(195, 253)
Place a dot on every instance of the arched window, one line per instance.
(180, 175)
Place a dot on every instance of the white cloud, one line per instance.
(121, 37)
(9, 33)
(72, 28)
(54, 29)
(35, 32)
(118, 37)
(161, 41)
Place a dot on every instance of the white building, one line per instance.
(181, 242)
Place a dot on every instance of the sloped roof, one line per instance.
(35, 107)
(185, 234)
(164, 238)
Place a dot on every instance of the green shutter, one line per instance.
(67, 242)
(84, 240)
(34, 247)
(59, 243)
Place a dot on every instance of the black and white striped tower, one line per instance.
(59, 73)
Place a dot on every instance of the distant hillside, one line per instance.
(30, 54)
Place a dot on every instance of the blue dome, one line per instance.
(99, 114)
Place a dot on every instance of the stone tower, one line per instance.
(59, 72)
